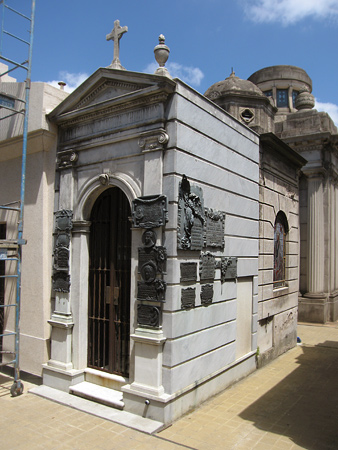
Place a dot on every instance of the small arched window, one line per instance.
(281, 229)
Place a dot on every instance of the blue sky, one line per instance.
(206, 39)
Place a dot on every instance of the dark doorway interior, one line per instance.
(109, 283)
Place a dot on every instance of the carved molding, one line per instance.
(67, 159)
(114, 110)
(153, 140)
(117, 84)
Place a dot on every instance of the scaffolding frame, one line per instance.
(11, 250)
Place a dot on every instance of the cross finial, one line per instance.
(115, 35)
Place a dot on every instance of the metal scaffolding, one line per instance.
(11, 249)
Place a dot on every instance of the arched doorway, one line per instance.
(109, 283)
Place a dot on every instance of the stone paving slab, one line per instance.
(292, 403)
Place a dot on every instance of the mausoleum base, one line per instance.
(167, 408)
(58, 378)
(313, 308)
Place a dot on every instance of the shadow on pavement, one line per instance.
(304, 405)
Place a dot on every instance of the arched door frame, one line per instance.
(80, 256)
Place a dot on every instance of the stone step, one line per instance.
(99, 394)
(105, 379)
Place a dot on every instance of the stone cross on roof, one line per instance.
(115, 35)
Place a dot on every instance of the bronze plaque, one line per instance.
(188, 271)
(61, 258)
(191, 220)
(153, 292)
(149, 238)
(214, 228)
(207, 266)
(156, 255)
(207, 293)
(62, 240)
(148, 315)
(61, 282)
(228, 268)
(188, 298)
(63, 220)
(150, 211)
(148, 272)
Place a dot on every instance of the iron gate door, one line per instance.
(109, 283)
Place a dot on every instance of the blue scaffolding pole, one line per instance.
(8, 248)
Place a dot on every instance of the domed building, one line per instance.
(245, 101)
(288, 113)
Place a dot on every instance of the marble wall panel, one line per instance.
(181, 376)
(181, 323)
(188, 347)
(241, 247)
(240, 226)
(206, 148)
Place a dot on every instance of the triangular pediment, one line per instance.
(103, 86)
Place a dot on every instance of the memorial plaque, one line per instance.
(191, 220)
(188, 297)
(207, 266)
(61, 258)
(149, 238)
(63, 220)
(152, 292)
(61, 282)
(207, 293)
(150, 211)
(148, 315)
(156, 255)
(228, 268)
(188, 271)
(214, 228)
(62, 240)
(148, 272)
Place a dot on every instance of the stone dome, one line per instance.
(233, 86)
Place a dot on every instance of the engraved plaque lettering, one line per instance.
(188, 298)
(228, 268)
(207, 293)
(190, 216)
(150, 211)
(207, 266)
(153, 292)
(148, 315)
(61, 258)
(214, 228)
(188, 271)
(61, 282)
(155, 255)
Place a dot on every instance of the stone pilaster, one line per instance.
(315, 279)
(79, 291)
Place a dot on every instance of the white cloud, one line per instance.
(190, 75)
(72, 80)
(330, 108)
(289, 11)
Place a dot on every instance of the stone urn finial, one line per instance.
(161, 52)
(304, 101)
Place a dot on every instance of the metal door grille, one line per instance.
(109, 283)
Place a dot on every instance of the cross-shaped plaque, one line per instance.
(115, 35)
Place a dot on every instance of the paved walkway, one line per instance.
(292, 403)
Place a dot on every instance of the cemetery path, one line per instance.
(292, 403)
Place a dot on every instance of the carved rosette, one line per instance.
(153, 140)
